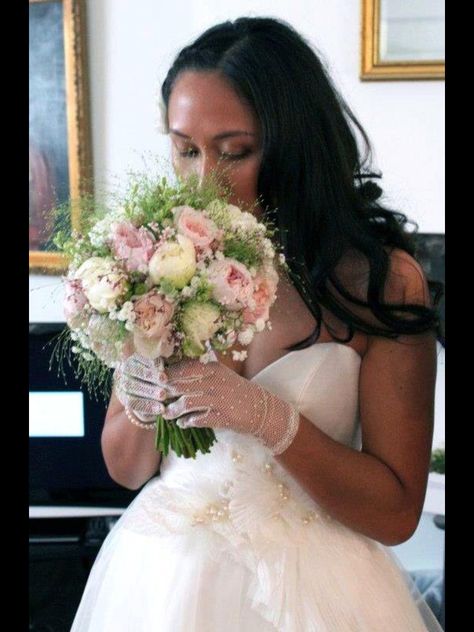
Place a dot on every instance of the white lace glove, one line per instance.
(141, 386)
(220, 398)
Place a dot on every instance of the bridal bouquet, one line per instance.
(171, 271)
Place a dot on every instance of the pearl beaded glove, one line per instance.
(141, 386)
(223, 399)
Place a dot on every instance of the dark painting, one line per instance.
(48, 146)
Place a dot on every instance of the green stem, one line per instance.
(199, 439)
(179, 439)
(189, 444)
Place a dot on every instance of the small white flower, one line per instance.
(239, 356)
(246, 336)
(282, 258)
(205, 358)
(186, 292)
(231, 337)
(219, 255)
(260, 324)
(126, 313)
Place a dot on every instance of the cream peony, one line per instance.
(103, 283)
(200, 321)
(174, 261)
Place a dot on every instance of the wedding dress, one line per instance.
(230, 542)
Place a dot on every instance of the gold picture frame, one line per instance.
(76, 154)
(374, 67)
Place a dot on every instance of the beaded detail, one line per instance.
(213, 512)
(151, 425)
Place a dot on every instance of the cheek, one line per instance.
(245, 177)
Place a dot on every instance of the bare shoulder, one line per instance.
(408, 278)
(405, 282)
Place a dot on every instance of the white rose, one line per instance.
(103, 282)
(174, 261)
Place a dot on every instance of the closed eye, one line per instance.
(190, 154)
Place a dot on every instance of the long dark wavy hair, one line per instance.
(315, 186)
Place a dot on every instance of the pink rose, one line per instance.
(232, 281)
(134, 246)
(74, 302)
(264, 296)
(196, 226)
(152, 327)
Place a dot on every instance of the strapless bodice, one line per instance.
(322, 381)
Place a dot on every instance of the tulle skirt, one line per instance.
(230, 541)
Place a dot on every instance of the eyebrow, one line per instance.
(218, 136)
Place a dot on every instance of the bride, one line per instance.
(324, 432)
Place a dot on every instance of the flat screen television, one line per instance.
(66, 465)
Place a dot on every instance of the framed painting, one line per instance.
(402, 40)
(60, 166)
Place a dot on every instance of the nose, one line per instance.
(207, 168)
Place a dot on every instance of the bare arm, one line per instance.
(129, 451)
(379, 491)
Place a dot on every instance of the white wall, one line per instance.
(131, 44)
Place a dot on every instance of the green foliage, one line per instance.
(203, 291)
(437, 461)
(247, 252)
(92, 373)
(167, 287)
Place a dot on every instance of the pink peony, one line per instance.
(264, 296)
(74, 302)
(152, 326)
(196, 226)
(134, 246)
(232, 281)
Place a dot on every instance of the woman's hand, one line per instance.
(141, 386)
(214, 396)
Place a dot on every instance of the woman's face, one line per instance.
(213, 130)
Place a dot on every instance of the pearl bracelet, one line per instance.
(151, 425)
